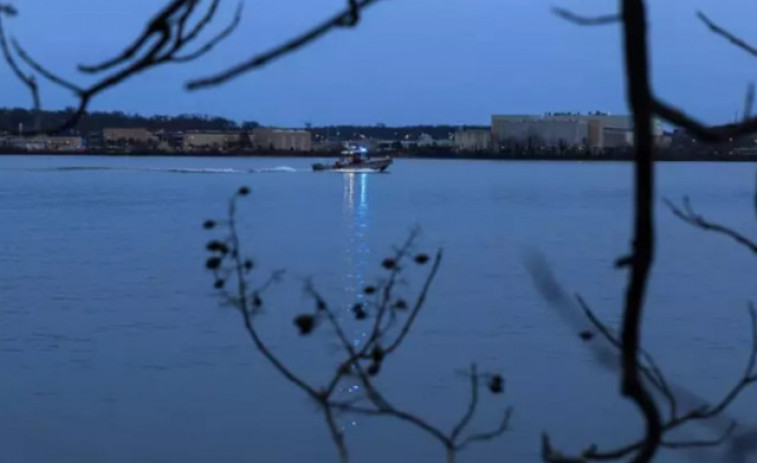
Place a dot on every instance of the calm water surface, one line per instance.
(114, 349)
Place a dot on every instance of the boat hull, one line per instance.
(371, 165)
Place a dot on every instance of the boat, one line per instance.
(355, 159)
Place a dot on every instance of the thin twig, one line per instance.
(651, 371)
(354, 13)
(162, 41)
(245, 312)
(485, 436)
(701, 443)
(44, 71)
(581, 20)
(214, 41)
(698, 414)
(471, 410)
(718, 30)
(418, 303)
(704, 133)
(376, 405)
(27, 80)
(152, 28)
(690, 217)
(339, 20)
(336, 435)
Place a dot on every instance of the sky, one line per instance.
(409, 61)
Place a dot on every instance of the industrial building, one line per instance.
(209, 141)
(43, 143)
(282, 139)
(565, 130)
(473, 140)
(123, 136)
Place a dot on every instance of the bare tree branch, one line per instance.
(688, 215)
(8, 9)
(227, 264)
(341, 19)
(701, 443)
(418, 303)
(28, 80)
(336, 435)
(215, 41)
(471, 410)
(712, 134)
(354, 13)
(153, 28)
(649, 369)
(704, 133)
(244, 304)
(163, 40)
(485, 436)
(699, 413)
(43, 71)
(740, 43)
(640, 101)
(204, 21)
(581, 20)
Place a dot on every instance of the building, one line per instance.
(44, 143)
(209, 141)
(427, 141)
(128, 139)
(62, 143)
(132, 136)
(328, 146)
(282, 139)
(473, 140)
(566, 130)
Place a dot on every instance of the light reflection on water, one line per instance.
(356, 220)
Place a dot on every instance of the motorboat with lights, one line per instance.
(355, 159)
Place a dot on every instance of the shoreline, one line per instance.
(662, 156)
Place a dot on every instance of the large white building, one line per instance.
(565, 130)
(473, 140)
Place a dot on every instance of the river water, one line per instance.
(114, 347)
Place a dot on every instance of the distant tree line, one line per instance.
(96, 121)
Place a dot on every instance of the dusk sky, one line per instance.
(409, 62)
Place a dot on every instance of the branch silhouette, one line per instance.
(28, 80)
(607, 349)
(688, 215)
(392, 320)
(635, 373)
(732, 38)
(582, 20)
(348, 17)
(166, 39)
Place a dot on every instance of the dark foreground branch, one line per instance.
(703, 132)
(698, 411)
(28, 80)
(166, 39)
